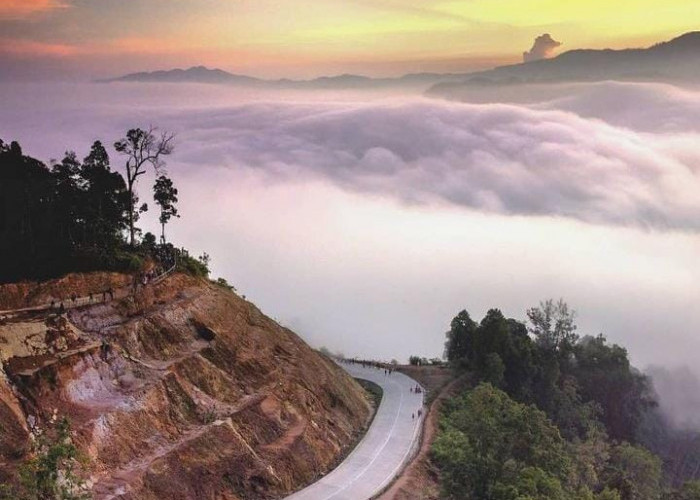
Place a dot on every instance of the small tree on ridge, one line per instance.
(165, 195)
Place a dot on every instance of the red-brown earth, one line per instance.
(183, 391)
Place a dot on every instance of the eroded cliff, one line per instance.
(183, 390)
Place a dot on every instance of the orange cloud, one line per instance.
(117, 47)
(18, 9)
(30, 48)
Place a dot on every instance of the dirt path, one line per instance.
(414, 482)
(98, 297)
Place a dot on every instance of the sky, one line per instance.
(84, 39)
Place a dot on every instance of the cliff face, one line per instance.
(183, 391)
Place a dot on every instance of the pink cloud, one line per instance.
(30, 48)
(18, 9)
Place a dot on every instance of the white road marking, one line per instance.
(408, 451)
(359, 476)
(376, 455)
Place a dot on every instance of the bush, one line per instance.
(128, 262)
(192, 266)
(50, 473)
(224, 284)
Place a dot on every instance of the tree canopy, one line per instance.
(165, 196)
(79, 215)
(69, 216)
(491, 447)
(555, 415)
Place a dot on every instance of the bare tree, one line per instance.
(142, 148)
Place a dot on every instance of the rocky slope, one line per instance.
(184, 390)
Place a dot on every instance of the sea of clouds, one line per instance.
(366, 221)
(496, 158)
(607, 153)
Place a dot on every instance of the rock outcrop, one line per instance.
(184, 390)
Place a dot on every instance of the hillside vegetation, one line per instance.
(81, 215)
(554, 416)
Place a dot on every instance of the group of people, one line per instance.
(60, 307)
(388, 368)
(142, 279)
(417, 389)
(148, 277)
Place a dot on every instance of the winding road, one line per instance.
(385, 449)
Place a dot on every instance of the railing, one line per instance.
(165, 273)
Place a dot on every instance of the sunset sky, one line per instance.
(304, 38)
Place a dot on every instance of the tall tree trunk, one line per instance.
(131, 210)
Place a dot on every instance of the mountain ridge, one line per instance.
(674, 60)
(667, 60)
(202, 74)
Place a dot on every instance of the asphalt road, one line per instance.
(385, 448)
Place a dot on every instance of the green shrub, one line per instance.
(51, 471)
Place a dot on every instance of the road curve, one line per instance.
(383, 451)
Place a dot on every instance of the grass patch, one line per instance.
(376, 392)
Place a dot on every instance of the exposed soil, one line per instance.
(182, 391)
(31, 293)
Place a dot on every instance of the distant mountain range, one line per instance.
(197, 74)
(201, 74)
(676, 60)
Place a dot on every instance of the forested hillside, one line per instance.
(555, 416)
(77, 216)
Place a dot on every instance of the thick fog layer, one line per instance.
(679, 395)
(366, 222)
